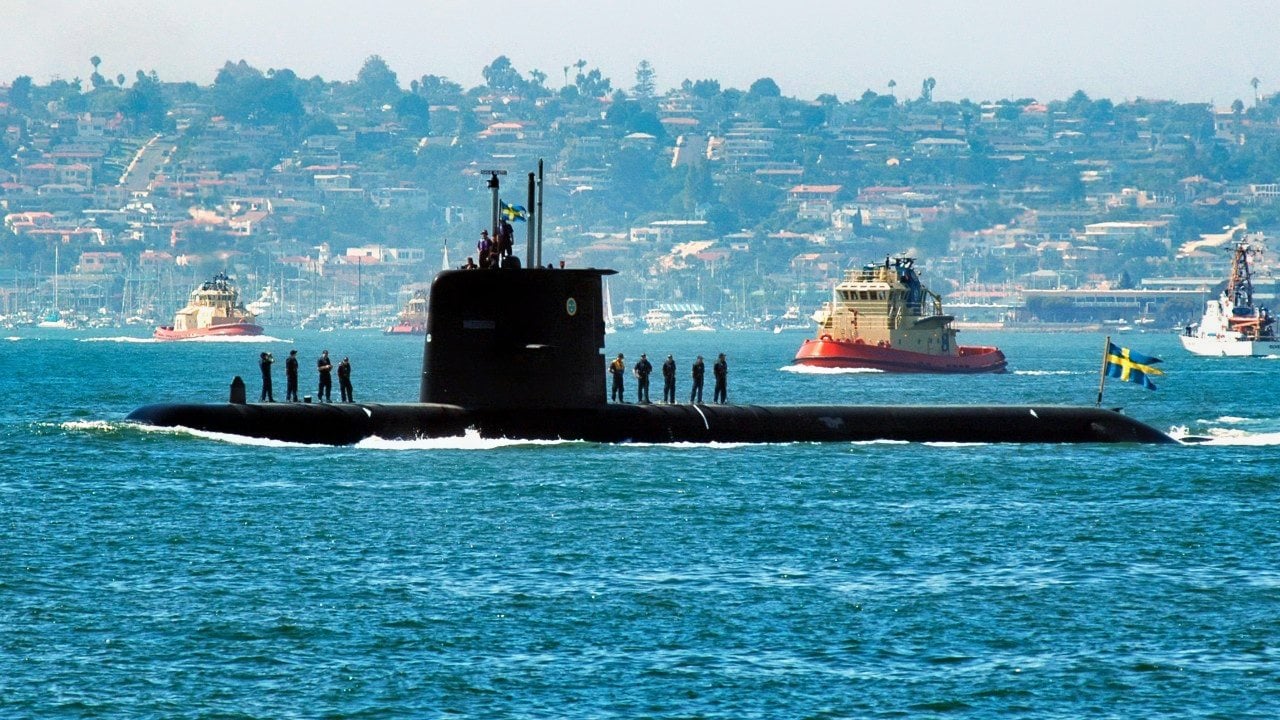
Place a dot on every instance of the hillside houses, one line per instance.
(323, 179)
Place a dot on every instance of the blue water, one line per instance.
(157, 573)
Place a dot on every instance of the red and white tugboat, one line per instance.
(214, 311)
(881, 317)
(413, 319)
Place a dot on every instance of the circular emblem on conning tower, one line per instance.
(571, 306)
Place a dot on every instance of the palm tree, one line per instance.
(1257, 99)
(892, 84)
(926, 89)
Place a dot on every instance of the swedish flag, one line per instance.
(514, 213)
(1129, 366)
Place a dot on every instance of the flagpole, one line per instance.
(1102, 375)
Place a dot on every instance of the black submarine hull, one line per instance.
(345, 424)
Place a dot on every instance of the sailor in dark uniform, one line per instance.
(669, 380)
(721, 370)
(344, 381)
(291, 377)
(643, 369)
(699, 369)
(264, 363)
(325, 392)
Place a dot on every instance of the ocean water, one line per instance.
(152, 573)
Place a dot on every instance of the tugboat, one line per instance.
(214, 311)
(413, 319)
(881, 317)
(1231, 325)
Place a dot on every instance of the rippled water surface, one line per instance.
(158, 573)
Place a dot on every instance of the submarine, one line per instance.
(517, 352)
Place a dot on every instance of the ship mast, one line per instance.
(1241, 283)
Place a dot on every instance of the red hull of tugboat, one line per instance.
(841, 354)
(228, 330)
(405, 329)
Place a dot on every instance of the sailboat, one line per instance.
(610, 325)
(54, 318)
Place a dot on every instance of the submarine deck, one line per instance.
(344, 424)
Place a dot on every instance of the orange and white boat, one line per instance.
(413, 319)
(881, 317)
(214, 311)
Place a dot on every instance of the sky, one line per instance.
(1184, 50)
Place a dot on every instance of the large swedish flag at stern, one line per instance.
(1130, 366)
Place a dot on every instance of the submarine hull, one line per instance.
(345, 424)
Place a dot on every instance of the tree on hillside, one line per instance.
(765, 87)
(439, 90)
(376, 83)
(145, 104)
(630, 116)
(242, 93)
(593, 84)
(95, 78)
(20, 92)
(926, 89)
(414, 113)
(501, 76)
(645, 85)
(537, 83)
(705, 89)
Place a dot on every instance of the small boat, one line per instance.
(214, 311)
(57, 320)
(1232, 326)
(881, 317)
(791, 322)
(413, 319)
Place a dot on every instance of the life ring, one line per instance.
(825, 338)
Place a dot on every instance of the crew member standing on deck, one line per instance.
(325, 391)
(506, 239)
(721, 370)
(616, 369)
(264, 364)
(484, 249)
(344, 381)
(669, 380)
(291, 377)
(699, 369)
(643, 369)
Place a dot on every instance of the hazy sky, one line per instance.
(1185, 50)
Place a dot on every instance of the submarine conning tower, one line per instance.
(515, 338)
